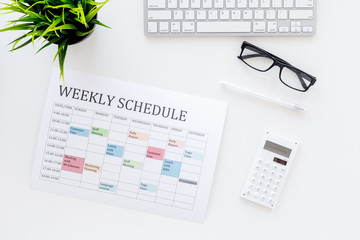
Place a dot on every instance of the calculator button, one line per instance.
(280, 175)
(273, 194)
(265, 191)
(253, 179)
(268, 185)
(258, 189)
(255, 194)
(263, 198)
(250, 186)
(278, 182)
(270, 179)
(263, 176)
(272, 173)
(260, 182)
(275, 188)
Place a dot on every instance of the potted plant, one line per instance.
(60, 22)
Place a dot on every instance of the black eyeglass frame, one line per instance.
(280, 63)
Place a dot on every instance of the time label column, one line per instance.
(56, 142)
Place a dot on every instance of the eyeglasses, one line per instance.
(263, 61)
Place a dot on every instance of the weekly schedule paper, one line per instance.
(130, 145)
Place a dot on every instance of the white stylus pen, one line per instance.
(239, 89)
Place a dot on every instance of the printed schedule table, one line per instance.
(129, 145)
(127, 157)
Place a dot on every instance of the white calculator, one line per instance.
(267, 176)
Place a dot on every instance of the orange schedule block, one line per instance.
(73, 164)
(155, 153)
(176, 143)
(138, 135)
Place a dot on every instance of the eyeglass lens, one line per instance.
(256, 59)
(295, 79)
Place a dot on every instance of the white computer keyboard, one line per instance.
(229, 17)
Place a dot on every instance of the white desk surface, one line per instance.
(321, 196)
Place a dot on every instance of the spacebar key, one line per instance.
(223, 27)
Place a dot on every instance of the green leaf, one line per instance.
(95, 21)
(54, 40)
(23, 45)
(24, 26)
(94, 11)
(80, 34)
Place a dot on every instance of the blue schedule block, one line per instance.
(171, 168)
(194, 155)
(148, 187)
(79, 131)
(115, 150)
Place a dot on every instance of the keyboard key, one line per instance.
(270, 14)
(247, 14)
(152, 27)
(159, 15)
(164, 27)
(195, 3)
(207, 3)
(283, 29)
(272, 27)
(259, 27)
(153, 4)
(178, 15)
(259, 14)
(304, 3)
(190, 15)
(295, 23)
(175, 27)
(276, 3)
(288, 3)
(307, 29)
(184, 3)
(301, 14)
(241, 3)
(213, 14)
(265, 3)
(188, 27)
(230, 3)
(282, 14)
(219, 3)
(172, 4)
(236, 14)
(224, 27)
(253, 3)
(224, 14)
(201, 14)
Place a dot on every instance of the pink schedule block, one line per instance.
(155, 153)
(73, 164)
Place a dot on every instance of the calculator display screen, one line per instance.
(278, 160)
(278, 149)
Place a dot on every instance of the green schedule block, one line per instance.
(100, 131)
